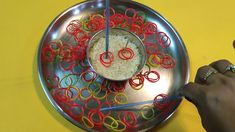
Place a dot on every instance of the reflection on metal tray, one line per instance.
(78, 93)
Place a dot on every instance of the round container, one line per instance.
(71, 85)
(131, 37)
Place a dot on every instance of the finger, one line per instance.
(206, 75)
(192, 92)
(221, 66)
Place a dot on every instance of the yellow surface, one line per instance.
(206, 26)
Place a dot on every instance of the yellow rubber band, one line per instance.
(75, 88)
(121, 95)
(87, 122)
(100, 97)
(112, 125)
(70, 82)
(150, 60)
(81, 96)
(92, 16)
(147, 107)
(139, 87)
(120, 123)
(97, 86)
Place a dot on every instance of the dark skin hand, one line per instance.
(214, 97)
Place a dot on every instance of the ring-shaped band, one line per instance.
(230, 68)
(209, 73)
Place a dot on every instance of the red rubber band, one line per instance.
(168, 62)
(106, 62)
(153, 80)
(126, 53)
(100, 115)
(165, 43)
(164, 102)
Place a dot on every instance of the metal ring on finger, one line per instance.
(230, 68)
(210, 72)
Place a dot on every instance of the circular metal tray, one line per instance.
(62, 85)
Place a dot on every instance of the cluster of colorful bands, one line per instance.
(80, 92)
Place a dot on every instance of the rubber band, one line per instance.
(154, 60)
(72, 93)
(135, 29)
(84, 23)
(59, 95)
(142, 16)
(110, 122)
(168, 62)
(126, 53)
(101, 95)
(73, 27)
(121, 98)
(87, 122)
(162, 102)
(92, 26)
(82, 92)
(150, 28)
(150, 48)
(96, 86)
(147, 107)
(88, 72)
(112, 12)
(152, 80)
(142, 36)
(163, 39)
(94, 100)
(79, 52)
(81, 37)
(52, 80)
(66, 56)
(72, 81)
(117, 19)
(84, 63)
(137, 82)
(66, 66)
(48, 55)
(74, 114)
(106, 62)
(100, 116)
(110, 98)
(123, 126)
(133, 119)
(55, 45)
(130, 11)
(77, 70)
(117, 86)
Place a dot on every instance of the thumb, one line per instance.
(192, 92)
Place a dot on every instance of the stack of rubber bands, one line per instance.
(124, 54)
(80, 92)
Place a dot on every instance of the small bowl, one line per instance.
(132, 38)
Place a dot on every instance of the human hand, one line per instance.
(213, 93)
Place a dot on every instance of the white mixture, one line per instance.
(119, 69)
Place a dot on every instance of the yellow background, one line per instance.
(206, 26)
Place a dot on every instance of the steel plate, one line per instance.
(75, 108)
